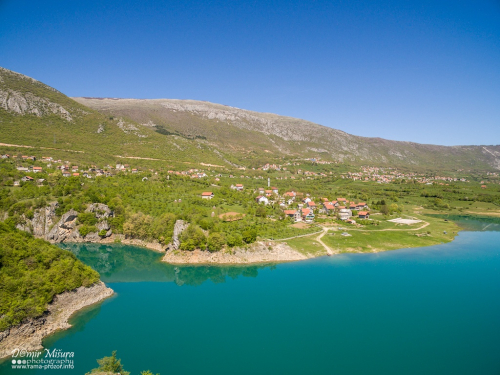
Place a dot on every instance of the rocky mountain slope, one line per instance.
(183, 132)
(246, 131)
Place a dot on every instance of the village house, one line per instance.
(307, 215)
(361, 205)
(17, 183)
(345, 213)
(37, 169)
(329, 208)
(238, 187)
(27, 178)
(364, 215)
(274, 190)
(66, 174)
(134, 170)
(74, 168)
(262, 199)
(294, 214)
(207, 195)
(76, 174)
(311, 205)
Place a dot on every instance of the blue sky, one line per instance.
(420, 71)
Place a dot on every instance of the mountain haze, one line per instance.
(188, 131)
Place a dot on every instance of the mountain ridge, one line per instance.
(319, 139)
(35, 114)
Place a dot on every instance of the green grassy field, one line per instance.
(373, 240)
(307, 246)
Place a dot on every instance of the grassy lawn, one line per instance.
(384, 224)
(307, 246)
(369, 241)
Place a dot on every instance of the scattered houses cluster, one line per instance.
(65, 167)
(386, 175)
(307, 208)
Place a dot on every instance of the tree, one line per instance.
(261, 211)
(215, 242)
(109, 364)
(234, 239)
(250, 235)
(192, 238)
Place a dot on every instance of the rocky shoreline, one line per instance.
(66, 230)
(29, 334)
(259, 252)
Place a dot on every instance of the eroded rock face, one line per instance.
(27, 103)
(100, 210)
(43, 220)
(64, 229)
(179, 227)
(102, 225)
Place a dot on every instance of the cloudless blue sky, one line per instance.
(421, 71)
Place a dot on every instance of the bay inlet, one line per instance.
(432, 310)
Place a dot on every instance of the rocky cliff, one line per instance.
(44, 225)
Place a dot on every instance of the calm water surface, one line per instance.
(433, 310)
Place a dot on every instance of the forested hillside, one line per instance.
(32, 272)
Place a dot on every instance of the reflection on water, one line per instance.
(474, 223)
(122, 263)
(77, 321)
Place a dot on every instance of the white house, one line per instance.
(262, 199)
(207, 195)
(345, 213)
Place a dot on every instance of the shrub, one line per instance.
(87, 218)
(234, 239)
(86, 229)
(193, 237)
(215, 242)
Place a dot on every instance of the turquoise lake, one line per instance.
(433, 310)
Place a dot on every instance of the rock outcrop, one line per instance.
(100, 210)
(66, 229)
(29, 334)
(43, 220)
(179, 227)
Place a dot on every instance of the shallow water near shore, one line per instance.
(431, 310)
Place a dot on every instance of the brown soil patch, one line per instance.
(231, 216)
(300, 225)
